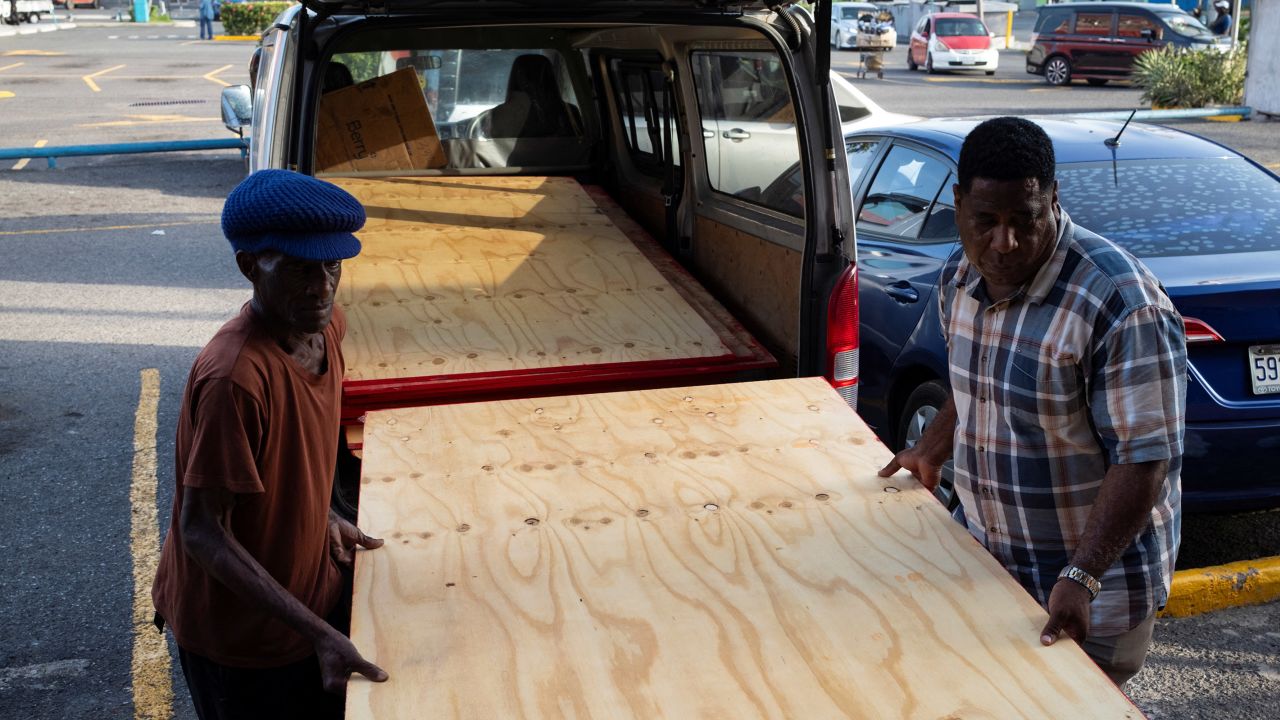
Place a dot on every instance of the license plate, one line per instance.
(967, 61)
(1264, 369)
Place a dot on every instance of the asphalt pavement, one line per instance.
(115, 265)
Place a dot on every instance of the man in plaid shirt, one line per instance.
(1068, 393)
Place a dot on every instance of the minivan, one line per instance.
(1099, 42)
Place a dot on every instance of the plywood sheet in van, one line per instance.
(466, 277)
(714, 551)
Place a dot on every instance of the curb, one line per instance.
(1201, 590)
(28, 29)
(236, 38)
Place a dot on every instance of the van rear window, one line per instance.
(1054, 22)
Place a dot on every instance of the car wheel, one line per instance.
(1097, 82)
(921, 408)
(1057, 71)
(911, 62)
(928, 63)
(990, 73)
(839, 41)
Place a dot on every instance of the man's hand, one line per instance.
(1068, 612)
(343, 539)
(339, 658)
(925, 470)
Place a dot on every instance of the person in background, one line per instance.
(1222, 23)
(206, 19)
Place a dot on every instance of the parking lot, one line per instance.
(115, 273)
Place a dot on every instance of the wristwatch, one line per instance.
(1090, 583)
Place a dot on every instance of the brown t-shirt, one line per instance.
(254, 422)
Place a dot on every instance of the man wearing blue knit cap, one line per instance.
(254, 578)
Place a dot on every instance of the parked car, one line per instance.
(1205, 219)
(1099, 41)
(845, 18)
(952, 41)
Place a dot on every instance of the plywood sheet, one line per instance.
(718, 551)
(464, 275)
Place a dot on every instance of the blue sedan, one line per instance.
(1205, 219)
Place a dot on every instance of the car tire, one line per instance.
(1057, 71)
(1097, 82)
(920, 409)
(911, 63)
(928, 64)
(990, 73)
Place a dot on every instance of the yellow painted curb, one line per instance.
(236, 38)
(1225, 118)
(1203, 590)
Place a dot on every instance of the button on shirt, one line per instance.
(1083, 368)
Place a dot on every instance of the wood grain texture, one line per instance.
(480, 274)
(719, 551)
(757, 279)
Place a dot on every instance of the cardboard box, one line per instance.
(381, 124)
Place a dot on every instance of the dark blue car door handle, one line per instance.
(902, 292)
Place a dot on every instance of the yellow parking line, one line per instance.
(152, 687)
(1274, 166)
(28, 53)
(88, 79)
(10, 67)
(149, 120)
(5, 94)
(54, 231)
(23, 162)
(213, 76)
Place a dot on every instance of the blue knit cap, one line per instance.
(293, 213)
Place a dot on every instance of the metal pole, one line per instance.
(1235, 23)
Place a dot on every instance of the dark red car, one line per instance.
(1100, 41)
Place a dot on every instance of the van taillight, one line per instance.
(1199, 331)
(842, 337)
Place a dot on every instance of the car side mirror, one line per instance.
(237, 108)
(1149, 35)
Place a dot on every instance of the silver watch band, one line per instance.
(1090, 583)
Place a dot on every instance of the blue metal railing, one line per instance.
(53, 153)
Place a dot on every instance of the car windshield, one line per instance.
(960, 27)
(1157, 208)
(852, 12)
(1185, 25)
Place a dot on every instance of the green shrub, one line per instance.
(250, 18)
(1170, 77)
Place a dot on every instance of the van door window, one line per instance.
(901, 193)
(1130, 26)
(642, 105)
(1093, 24)
(1054, 22)
(749, 128)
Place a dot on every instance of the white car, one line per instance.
(844, 22)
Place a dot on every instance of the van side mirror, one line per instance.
(1148, 34)
(237, 107)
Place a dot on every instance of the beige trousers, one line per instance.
(1122, 656)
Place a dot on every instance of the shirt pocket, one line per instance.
(1045, 396)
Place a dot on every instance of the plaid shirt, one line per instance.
(1083, 368)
